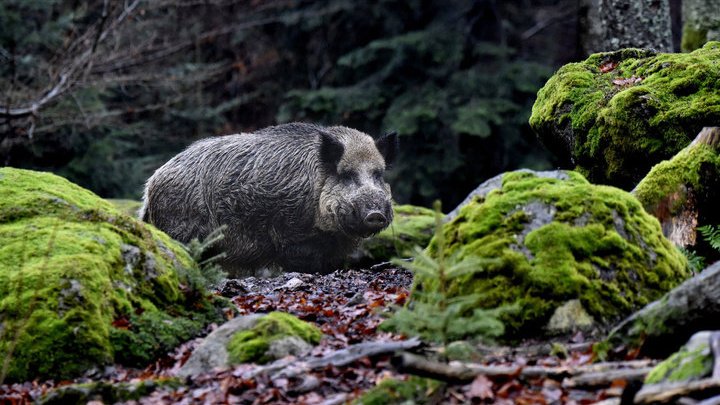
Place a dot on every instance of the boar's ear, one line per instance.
(388, 147)
(331, 151)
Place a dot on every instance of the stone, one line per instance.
(253, 338)
(549, 240)
(288, 346)
(693, 361)
(616, 114)
(494, 183)
(569, 318)
(83, 285)
(212, 353)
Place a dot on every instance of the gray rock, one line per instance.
(292, 284)
(570, 317)
(666, 323)
(212, 352)
(288, 346)
(495, 183)
(693, 361)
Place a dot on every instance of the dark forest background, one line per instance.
(104, 92)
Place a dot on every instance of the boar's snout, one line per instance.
(374, 216)
(375, 221)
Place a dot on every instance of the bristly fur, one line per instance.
(293, 196)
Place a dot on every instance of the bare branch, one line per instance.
(601, 374)
(67, 78)
(7, 112)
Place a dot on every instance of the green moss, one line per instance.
(614, 130)
(70, 266)
(415, 390)
(684, 171)
(156, 332)
(412, 226)
(687, 183)
(251, 345)
(106, 392)
(602, 349)
(128, 207)
(595, 244)
(684, 365)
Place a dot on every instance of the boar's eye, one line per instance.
(377, 175)
(346, 176)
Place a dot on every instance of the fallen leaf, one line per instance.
(481, 388)
(121, 323)
(627, 82)
(608, 66)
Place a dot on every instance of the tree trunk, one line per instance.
(613, 24)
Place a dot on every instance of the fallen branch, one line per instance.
(543, 349)
(668, 392)
(591, 375)
(604, 378)
(292, 368)
(419, 365)
(710, 401)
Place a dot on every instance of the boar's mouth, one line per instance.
(363, 222)
(369, 233)
(370, 223)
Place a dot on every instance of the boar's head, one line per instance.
(355, 199)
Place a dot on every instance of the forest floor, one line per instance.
(348, 306)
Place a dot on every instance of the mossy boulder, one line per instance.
(683, 192)
(616, 114)
(83, 285)
(252, 338)
(693, 361)
(253, 345)
(665, 324)
(412, 226)
(553, 241)
(106, 392)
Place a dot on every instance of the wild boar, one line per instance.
(294, 197)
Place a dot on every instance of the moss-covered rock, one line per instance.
(83, 285)
(558, 240)
(414, 390)
(412, 226)
(693, 361)
(683, 192)
(616, 114)
(568, 318)
(252, 345)
(105, 392)
(665, 324)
